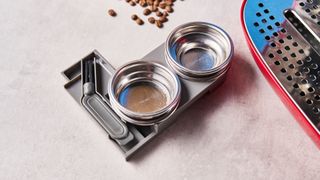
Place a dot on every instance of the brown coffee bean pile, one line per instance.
(159, 11)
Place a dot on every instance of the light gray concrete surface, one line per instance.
(240, 131)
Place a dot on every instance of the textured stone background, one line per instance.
(239, 131)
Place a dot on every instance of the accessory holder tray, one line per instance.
(190, 92)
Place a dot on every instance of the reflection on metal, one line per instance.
(199, 51)
(286, 34)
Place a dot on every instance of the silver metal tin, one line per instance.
(199, 51)
(158, 88)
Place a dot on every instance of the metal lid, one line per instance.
(199, 50)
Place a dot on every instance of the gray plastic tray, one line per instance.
(191, 91)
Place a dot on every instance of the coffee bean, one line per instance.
(112, 13)
(162, 5)
(169, 9)
(159, 13)
(139, 21)
(158, 8)
(143, 3)
(147, 11)
(163, 19)
(159, 24)
(134, 17)
(151, 20)
(132, 3)
(154, 8)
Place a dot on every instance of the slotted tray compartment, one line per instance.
(284, 39)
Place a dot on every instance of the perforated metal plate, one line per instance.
(286, 35)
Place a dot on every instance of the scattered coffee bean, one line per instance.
(147, 11)
(151, 20)
(159, 13)
(169, 3)
(139, 21)
(169, 9)
(132, 3)
(143, 3)
(159, 9)
(154, 8)
(112, 13)
(159, 24)
(162, 5)
(150, 3)
(163, 19)
(134, 17)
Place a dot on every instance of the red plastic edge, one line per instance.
(277, 87)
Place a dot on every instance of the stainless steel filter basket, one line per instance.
(144, 93)
(199, 51)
